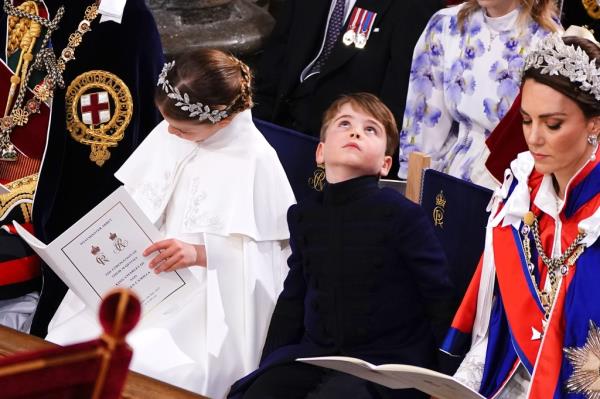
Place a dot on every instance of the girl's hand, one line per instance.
(174, 254)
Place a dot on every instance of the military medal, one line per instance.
(364, 30)
(350, 34)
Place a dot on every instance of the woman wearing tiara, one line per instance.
(207, 177)
(529, 321)
(465, 75)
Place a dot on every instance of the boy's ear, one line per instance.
(386, 166)
(319, 154)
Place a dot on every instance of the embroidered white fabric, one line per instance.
(470, 371)
(155, 192)
(230, 183)
(517, 386)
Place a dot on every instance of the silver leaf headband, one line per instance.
(553, 57)
(196, 110)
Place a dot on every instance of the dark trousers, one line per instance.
(303, 381)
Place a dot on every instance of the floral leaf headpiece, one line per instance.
(553, 57)
(195, 110)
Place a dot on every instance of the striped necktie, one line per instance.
(336, 21)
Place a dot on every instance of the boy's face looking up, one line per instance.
(354, 146)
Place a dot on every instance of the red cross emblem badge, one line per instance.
(91, 119)
(95, 108)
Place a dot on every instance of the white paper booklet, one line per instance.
(398, 376)
(103, 250)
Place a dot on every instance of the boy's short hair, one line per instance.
(371, 105)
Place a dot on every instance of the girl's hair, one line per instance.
(586, 101)
(370, 105)
(210, 77)
(543, 12)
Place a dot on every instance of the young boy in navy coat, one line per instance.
(367, 276)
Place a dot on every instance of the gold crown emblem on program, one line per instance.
(440, 200)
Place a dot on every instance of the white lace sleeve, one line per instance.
(470, 371)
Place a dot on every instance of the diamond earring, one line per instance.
(593, 140)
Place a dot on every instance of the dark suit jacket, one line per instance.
(381, 68)
(367, 279)
(69, 183)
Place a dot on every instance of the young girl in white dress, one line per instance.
(216, 189)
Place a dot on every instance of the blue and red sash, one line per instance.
(518, 310)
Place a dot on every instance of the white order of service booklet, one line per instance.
(398, 376)
(103, 250)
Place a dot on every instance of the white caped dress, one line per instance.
(230, 193)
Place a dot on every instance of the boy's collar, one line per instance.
(349, 190)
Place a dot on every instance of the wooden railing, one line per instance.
(137, 386)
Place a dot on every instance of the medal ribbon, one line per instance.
(367, 25)
(354, 17)
(361, 18)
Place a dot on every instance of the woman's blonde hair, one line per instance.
(543, 12)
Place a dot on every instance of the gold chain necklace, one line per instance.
(561, 263)
(45, 59)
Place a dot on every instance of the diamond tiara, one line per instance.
(553, 57)
(195, 110)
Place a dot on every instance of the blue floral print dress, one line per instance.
(461, 84)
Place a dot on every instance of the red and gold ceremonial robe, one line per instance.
(20, 273)
(502, 303)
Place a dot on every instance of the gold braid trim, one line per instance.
(592, 8)
(18, 28)
(21, 192)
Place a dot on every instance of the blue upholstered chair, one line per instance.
(456, 209)
(296, 152)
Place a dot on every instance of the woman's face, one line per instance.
(556, 131)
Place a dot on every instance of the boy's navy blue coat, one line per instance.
(366, 271)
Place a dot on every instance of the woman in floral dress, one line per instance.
(466, 72)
